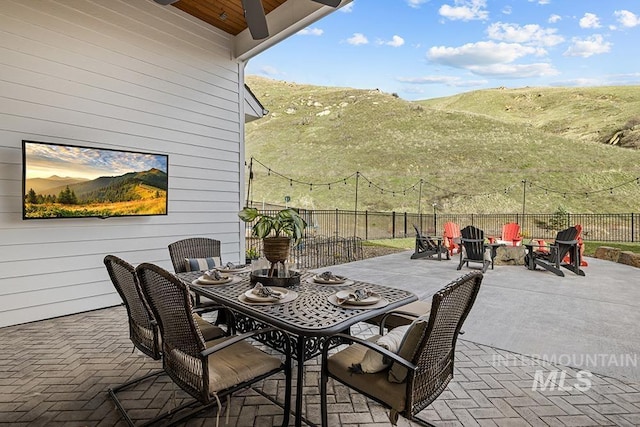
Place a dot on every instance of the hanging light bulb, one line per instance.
(269, 172)
(290, 183)
(329, 186)
(310, 187)
(611, 191)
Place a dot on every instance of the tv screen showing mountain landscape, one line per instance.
(67, 181)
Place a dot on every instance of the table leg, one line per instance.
(300, 379)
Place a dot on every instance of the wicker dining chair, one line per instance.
(208, 371)
(143, 329)
(193, 248)
(423, 366)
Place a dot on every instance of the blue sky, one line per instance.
(430, 48)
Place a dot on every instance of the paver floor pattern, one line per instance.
(56, 373)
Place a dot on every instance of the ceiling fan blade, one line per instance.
(165, 2)
(332, 3)
(256, 19)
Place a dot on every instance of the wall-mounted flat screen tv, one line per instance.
(69, 181)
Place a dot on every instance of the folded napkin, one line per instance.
(213, 275)
(329, 276)
(357, 295)
(266, 292)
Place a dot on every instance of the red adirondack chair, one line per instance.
(583, 263)
(511, 234)
(451, 237)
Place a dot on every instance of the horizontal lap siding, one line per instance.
(128, 75)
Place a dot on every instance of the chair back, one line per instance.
(434, 355)
(511, 233)
(449, 236)
(473, 242)
(451, 230)
(565, 241)
(143, 329)
(194, 247)
(182, 340)
(424, 243)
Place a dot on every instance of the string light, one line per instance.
(413, 187)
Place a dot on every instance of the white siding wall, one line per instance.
(120, 74)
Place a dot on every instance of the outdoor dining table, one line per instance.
(309, 319)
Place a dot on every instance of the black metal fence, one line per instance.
(367, 225)
(319, 251)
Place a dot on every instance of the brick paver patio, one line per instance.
(56, 373)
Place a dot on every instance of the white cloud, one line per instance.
(554, 18)
(514, 71)
(416, 3)
(492, 59)
(480, 53)
(507, 10)
(357, 39)
(465, 10)
(627, 19)
(446, 80)
(268, 70)
(348, 8)
(311, 32)
(587, 47)
(543, 2)
(396, 41)
(590, 20)
(532, 34)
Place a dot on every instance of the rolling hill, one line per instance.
(107, 188)
(472, 151)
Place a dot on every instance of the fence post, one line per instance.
(393, 224)
(633, 229)
(337, 232)
(405, 225)
(366, 225)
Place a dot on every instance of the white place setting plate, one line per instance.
(338, 280)
(345, 295)
(249, 295)
(237, 269)
(204, 281)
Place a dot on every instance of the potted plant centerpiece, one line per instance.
(276, 231)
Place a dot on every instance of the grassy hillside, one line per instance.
(583, 114)
(470, 153)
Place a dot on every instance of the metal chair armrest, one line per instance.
(242, 337)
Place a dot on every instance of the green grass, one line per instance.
(472, 150)
(590, 247)
(405, 243)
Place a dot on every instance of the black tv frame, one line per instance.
(90, 148)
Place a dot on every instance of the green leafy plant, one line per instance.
(286, 222)
(251, 253)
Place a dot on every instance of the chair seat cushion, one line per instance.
(236, 364)
(375, 385)
(209, 331)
